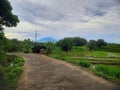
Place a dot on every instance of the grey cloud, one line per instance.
(91, 12)
(62, 9)
(45, 13)
(32, 12)
(98, 8)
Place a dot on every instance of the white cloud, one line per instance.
(63, 18)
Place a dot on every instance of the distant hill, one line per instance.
(47, 39)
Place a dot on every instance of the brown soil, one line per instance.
(45, 73)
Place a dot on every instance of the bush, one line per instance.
(84, 64)
(11, 72)
(108, 70)
(65, 44)
(18, 61)
(12, 75)
(2, 57)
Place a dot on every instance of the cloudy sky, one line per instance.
(91, 19)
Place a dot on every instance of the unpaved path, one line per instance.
(45, 73)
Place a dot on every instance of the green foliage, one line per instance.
(2, 52)
(6, 45)
(83, 57)
(92, 45)
(59, 57)
(49, 47)
(18, 62)
(110, 48)
(13, 71)
(66, 44)
(11, 76)
(84, 63)
(7, 18)
(100, 43)
(27, 46)
(1, 32)
(78, 41)
(15, 45)
(108, 71)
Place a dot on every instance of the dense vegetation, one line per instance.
(10, 71)
(111, 48)
(10, 66)
(66, 44)
(84, 63)
(102, 62)
(8, 19)
(108, 71)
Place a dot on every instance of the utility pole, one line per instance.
(35, 36)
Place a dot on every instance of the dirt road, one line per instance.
(44, 73)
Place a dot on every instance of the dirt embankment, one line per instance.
(44, 73)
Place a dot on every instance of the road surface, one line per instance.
(45, 73)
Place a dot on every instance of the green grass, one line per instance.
(81, 56)
(111, 48)
(84, 64)
(109, 72)
(84, 51)
(103, 54)
(11, 71)
(98, 53)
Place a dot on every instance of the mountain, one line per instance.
(47, 39)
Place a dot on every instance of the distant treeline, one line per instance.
(66, 44)
(111, 47)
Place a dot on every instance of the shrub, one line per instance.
(2, 57)
(13, 71)
(19, 61)
(108, 70)
(84, 63)
(65, 44)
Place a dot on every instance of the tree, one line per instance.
(7, 45)
(92, 45)
(101, 42)
(49, 47)
(65, 44)
(78, 41)
(7, 18)
(27, 46)
(14, 46)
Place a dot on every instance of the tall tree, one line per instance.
(78, 41)
(66, 44)
(92, 45)
(101, 42)
(49, 47)
(27, 46)
(7, 18)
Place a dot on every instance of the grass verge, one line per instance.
(107, 71)
(11, 72)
